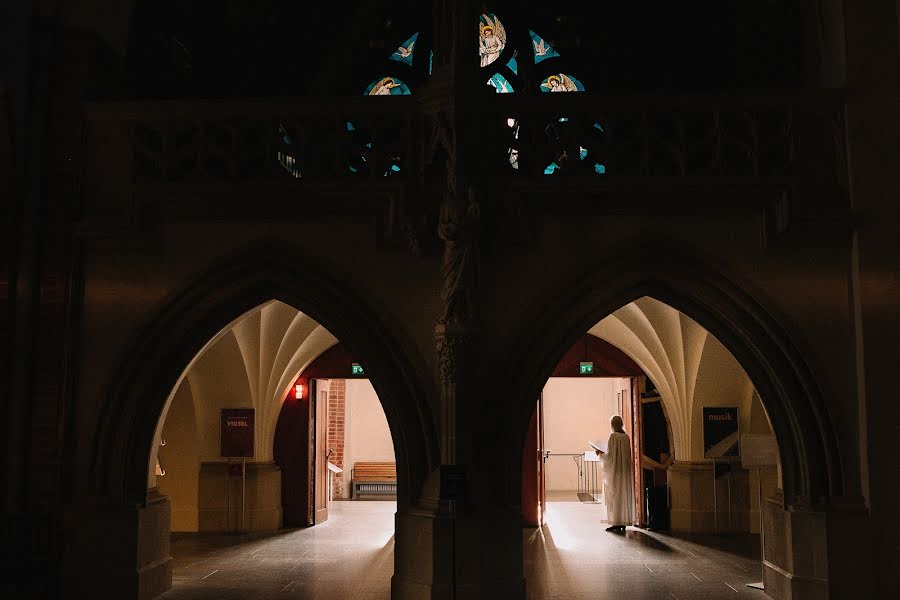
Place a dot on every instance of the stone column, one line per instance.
(816, 552)
(116, 552)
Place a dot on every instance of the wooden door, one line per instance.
(534, 485)
(530, 459)
(637, 451)
(320, 451)
(542, 464)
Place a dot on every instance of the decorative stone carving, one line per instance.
(459, 229)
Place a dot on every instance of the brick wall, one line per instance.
(336, 413)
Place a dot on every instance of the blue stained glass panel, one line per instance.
(387, 86)
(599, 169)
(404, 53)
(501, 84)
(513, 65)
(551, 168)
(561, 82)
(542, 50)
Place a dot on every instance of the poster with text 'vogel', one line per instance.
(237, 433)
(721, 434)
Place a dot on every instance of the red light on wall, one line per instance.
(298, 391)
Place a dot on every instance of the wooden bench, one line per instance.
(374, 480)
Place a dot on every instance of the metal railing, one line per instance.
(589, 476)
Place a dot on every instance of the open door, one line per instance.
(319, 449)
(534, 486)
(631, 399)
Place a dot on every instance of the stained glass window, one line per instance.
(560, 82)
(491, 38)
(387, 86)
(405, 52)
(501, 84)
(542, 50)
(508, 76)
(288, 160)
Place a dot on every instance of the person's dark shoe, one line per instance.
(612, 528)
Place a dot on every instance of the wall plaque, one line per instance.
(237, 433)
(721, 433)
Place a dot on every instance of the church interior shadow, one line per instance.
(743, 545)
(644, 539)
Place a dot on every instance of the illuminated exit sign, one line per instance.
(586, 368)
(356, 369)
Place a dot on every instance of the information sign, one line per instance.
(237, 433)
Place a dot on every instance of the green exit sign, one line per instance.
(586, 368)
(357, 369)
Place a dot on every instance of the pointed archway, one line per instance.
(205, 306)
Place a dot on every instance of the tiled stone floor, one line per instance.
(574, 558)
(351, 557)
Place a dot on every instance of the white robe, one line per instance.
(617, 484)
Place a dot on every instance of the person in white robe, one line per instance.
(617, 484)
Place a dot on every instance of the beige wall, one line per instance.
(180, 459)
(367, 437)
(690, 367)
(720, 382)
(252, 363)
(575, 411)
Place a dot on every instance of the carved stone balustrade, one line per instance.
(240, 157)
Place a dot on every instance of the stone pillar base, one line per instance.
(118, 552)
(413, 553)
(815, 553)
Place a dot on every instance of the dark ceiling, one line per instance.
(234, 48)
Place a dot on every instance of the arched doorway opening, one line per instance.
(760, 344)
(186, 326)
(254, 435)
(694, 489)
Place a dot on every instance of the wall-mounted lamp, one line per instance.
(298, 391)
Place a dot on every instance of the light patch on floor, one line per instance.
(573, 557)
(351, 557)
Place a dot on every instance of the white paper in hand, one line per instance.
(599, 445)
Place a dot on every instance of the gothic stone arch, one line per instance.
(205, 306)
(810, 455)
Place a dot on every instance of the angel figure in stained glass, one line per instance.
(491, 40)
(383, 87)
(559, 83)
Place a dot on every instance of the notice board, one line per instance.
(721, 433)
(237, 433)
